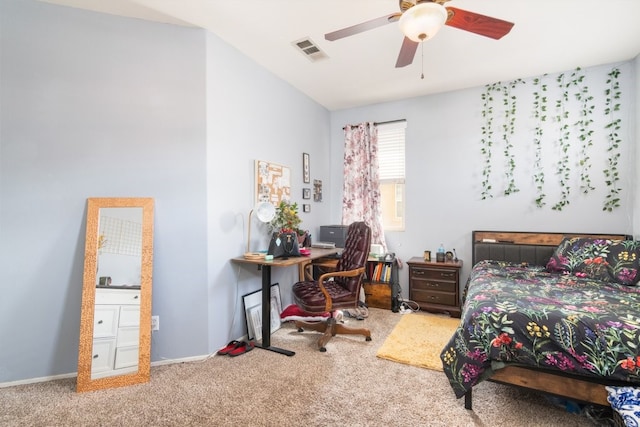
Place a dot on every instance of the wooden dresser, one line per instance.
(116, 332)
(435, 286)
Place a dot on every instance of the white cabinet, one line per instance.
(116, 332)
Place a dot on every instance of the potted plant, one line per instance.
(287, 220)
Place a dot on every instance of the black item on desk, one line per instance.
(284, 245)
(334, 233)
(307, 240)
(337, 255)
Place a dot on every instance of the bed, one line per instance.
(553, 312)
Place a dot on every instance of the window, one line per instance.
(391, 141)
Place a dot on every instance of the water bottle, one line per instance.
(440, 253)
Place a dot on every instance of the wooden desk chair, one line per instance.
(343, 291)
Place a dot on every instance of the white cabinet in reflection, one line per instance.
(116, 332)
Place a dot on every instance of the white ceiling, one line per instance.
(549, 36)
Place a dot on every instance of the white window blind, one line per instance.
(391, 143)
(391, 138)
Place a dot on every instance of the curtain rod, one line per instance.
(381, 123)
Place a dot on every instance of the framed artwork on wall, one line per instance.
(306, 173)
(306, 193)
(306, 208)
(273, 182)
(317, 190)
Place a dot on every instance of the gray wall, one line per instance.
(252, 115)
(444, 169)
(636, 177)
(100, 106)
(97, 105)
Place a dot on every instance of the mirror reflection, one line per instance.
(115, 326)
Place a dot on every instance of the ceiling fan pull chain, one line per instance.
(422, 47)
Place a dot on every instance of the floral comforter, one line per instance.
(526, 316)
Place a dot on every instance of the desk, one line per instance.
(266, 287)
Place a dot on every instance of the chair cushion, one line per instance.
(355, 254)
(308, 296)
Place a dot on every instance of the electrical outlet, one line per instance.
(155, 323)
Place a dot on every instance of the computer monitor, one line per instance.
(334, 234)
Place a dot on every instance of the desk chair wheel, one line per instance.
(323, 349)
(368, 339)
(300, 330)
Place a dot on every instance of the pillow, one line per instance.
(626, 402)
(624, 262)
(581, 256)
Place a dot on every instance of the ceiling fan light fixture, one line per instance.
(422, 21)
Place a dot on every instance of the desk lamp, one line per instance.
(266, 212)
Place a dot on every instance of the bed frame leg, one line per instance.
(467, 400)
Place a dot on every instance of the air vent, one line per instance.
(309, 49)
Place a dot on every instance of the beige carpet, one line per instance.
(348, 386)
(418, 339)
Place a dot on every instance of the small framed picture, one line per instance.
(306, 193)
(306, 173)
(306, 207)
(317, 190)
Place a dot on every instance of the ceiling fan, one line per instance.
(420, 20)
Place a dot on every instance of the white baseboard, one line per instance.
(38, 380)
(182, 360)
(75, 374)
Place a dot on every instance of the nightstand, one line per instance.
(435, 286)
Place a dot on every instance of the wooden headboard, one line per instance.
(518, 246)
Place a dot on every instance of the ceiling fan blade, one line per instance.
(407, 52)
(479, 24)
(364, 26)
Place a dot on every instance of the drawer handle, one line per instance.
(442, 274)
(136, 297)
(99, 322)
(95, 356)
(438, 284)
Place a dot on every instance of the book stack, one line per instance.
(379, 271)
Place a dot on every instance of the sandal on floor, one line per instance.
(242, 348)
(232, 345)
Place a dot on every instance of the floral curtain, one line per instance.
(361, 191)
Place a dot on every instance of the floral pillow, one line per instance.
(584, 257)
(624, 262)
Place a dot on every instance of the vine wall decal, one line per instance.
(562, 137)
(563, 168)
(540, 115)
(487, 139)
(509, 101)
(584, 130)
(613, 93)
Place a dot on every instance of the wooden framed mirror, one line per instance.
(115, 323)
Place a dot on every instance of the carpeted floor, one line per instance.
(346, 386)
(418, 339)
